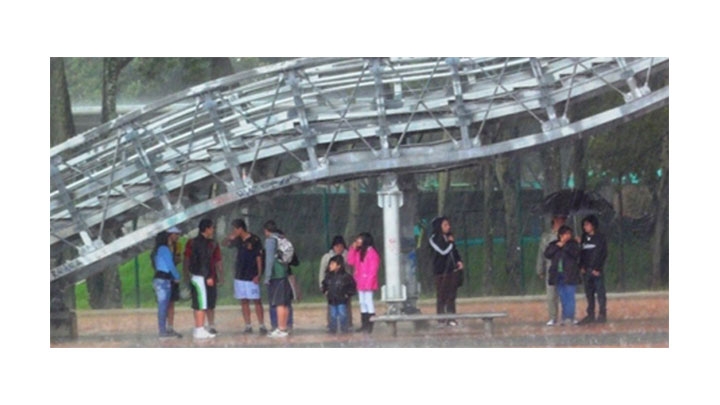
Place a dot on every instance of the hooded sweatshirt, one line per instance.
(594, 252)
(445, 254)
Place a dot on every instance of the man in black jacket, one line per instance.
(592, 261)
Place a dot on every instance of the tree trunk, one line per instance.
(62, 126)
(507, 176)
(351, 228)
(487, 227)
(111, 71)
(105, 288)
(661, 218)
(552, 169)
(443, 187)
(579, 163)
(621, 256)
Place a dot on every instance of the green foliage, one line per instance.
(631, 148)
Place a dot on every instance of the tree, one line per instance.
(111, 70)
(62, 126)
(105, 288)
(635, 148)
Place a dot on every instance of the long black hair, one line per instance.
(160, 240)
(437, 224)
(367, 242)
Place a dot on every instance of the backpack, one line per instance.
(285, 249)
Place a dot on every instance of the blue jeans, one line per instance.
(338, 317)
(566, 292)
(163, 293)
(274, 320)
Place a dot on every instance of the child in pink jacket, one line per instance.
(363, 256)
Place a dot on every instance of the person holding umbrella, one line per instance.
(592, 261)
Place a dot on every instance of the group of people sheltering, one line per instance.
(256, 262)
(565, 261)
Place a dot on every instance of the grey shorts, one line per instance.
(280, 292)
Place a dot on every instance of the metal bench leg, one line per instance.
(488, 326)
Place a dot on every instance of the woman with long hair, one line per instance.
(447, 267)
(366, 260)
(165, 275)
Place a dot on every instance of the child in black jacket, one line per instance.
(564, 272)
(338, 286)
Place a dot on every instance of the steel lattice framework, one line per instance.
(319, 119)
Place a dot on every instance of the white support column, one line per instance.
(390, 199)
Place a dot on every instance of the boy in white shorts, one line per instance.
(248, 269)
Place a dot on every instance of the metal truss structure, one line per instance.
(314, 120)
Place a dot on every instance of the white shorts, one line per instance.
(246, 290)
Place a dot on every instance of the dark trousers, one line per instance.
(595, 285)
(446, 289)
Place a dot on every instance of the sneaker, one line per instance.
(165, 335)
(550, 323)
(601, 319)
(263, 330)
(173, 333)
(452, 323)
(248, 329)
(277, 333)
(202, 333)
(588, 319)
(212, 330)
(569, 322)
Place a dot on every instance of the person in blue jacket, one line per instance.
(165, 275)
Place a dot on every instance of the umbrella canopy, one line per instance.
(573, 202)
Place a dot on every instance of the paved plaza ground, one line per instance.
(634, 320)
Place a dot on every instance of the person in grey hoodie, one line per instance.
(276, 278)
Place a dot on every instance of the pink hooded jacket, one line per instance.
(366, 271)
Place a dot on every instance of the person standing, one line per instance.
(543, 266)
(363, 256)
(338, 286)
(174, 245)
(447, 267)
(592, 261)
(248, 270)
(166, 275)
(563, 273)
(276, 278)
(338, 247)
(203, 267)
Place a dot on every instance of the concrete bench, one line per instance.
(392, 320)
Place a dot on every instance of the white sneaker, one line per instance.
(277, 333)
(201, 333)
(550, 323)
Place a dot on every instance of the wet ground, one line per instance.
(634, 320)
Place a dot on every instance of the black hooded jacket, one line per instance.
(594, 252)
(338, 286)
(444, 253)
(569, 254)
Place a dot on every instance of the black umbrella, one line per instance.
(577, 202)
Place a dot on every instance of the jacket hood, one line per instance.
(436, 224)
